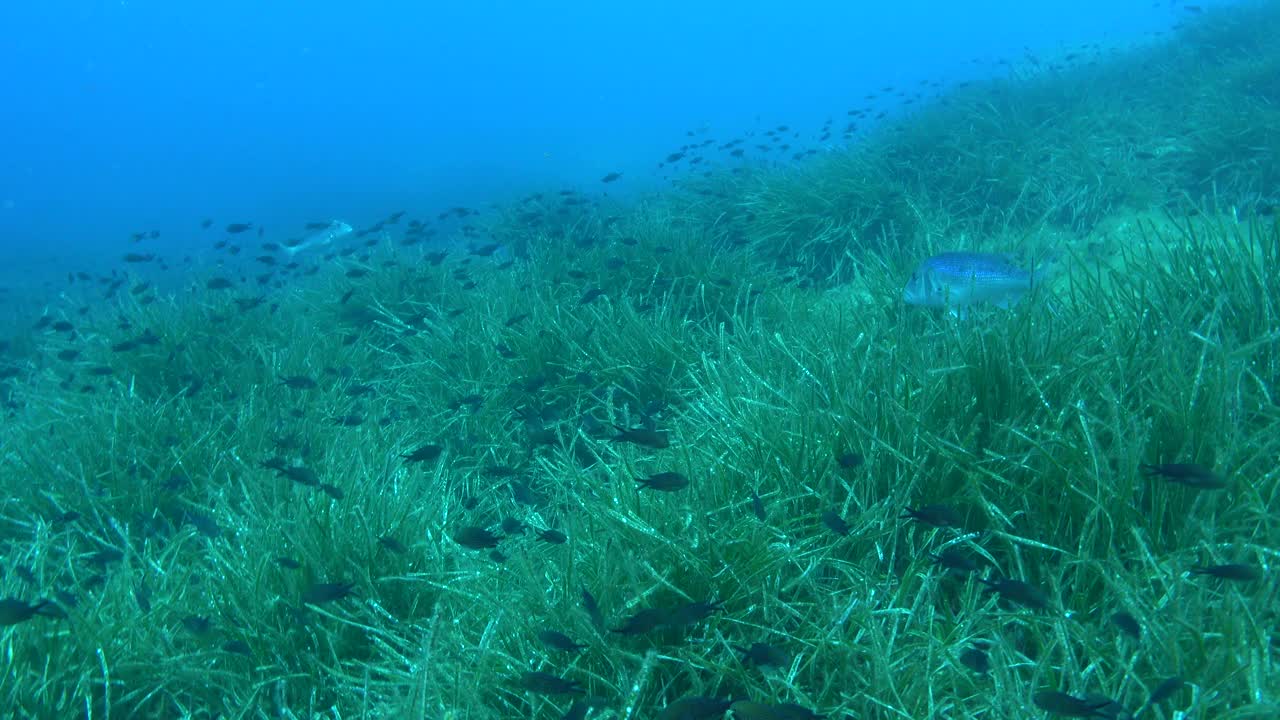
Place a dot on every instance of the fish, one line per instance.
(1127, 623)
(694, 707)
(764, 655)
(321, 593)
(1164, 691)
(956, 560)
(1192, 475)
(1019, 592)
(975, 657)
(541, 683)
(1231, 571)
(592, 607)
(935, 515)
(320, 238)
(1064, 705)
(554, 537)
(960, 280)
(835, 523)
(693, 612)
(644, 437)
(475, 538)
(664, 481)
(14, 611)
(556, 640)
(644, 621)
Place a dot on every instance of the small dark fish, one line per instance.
(694, 707)
(105, 557)
(644, 621)
(218, 283)
(757, 507)
(298, 382)
(204, 524)
(69, 516)
(513, 526)
(656, 439)
(1192, 475)
(332, 491)
(693, 613)
(197, 624)
(541, 683)
(486, 250)
(765, 655)
(956, 560)
(301, 474)
(237, 647)
(475, 538)
(1165, 690)
(1127, 623)
(554, 537)
(1019, 592)
(392, 544)
(1064, 705)
(139, 257)
(664, 481)
(14, 611)
(556, 640)
(611, 177)
(1237, 572)
(236, 228)
(849, 460)
(426, 453)
(835, 523)
(935, 515)
(590, 295)
(321, 593)
(750, 710)
(288, 563)
(593, 610)
(975, 658)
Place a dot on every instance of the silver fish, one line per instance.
(337, 229)
(959, 280)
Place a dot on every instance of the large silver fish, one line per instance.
(319, 238)
(960, 280)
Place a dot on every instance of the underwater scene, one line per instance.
(961, 400)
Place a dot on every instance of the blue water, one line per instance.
(129, 115)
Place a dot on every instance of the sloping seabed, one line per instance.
(287, 516)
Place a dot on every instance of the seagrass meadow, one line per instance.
(691, 456)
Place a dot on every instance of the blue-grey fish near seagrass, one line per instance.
(959, 280)
(320, 238)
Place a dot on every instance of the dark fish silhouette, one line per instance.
(321, 593)
(475, 538)
(1232, 571)
(1019, 592)
(14, 611)
(541, 683)
(1189, 474)
(557, 640)
(664, 481)
(1064, 705)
